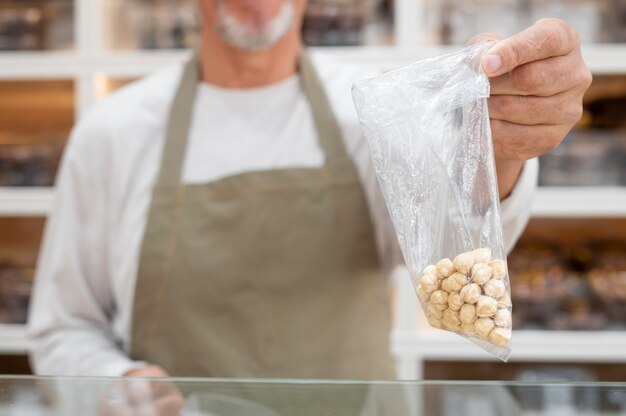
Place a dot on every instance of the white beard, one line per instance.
(248, 37)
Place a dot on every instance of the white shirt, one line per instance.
(80, 319)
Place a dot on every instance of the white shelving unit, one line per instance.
(600, 58)
(13, 339)
(553, 202)
(587, 202)
(528, 346)
(410, 346)
(25, 202)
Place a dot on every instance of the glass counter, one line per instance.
(226, 397)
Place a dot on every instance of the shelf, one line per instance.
(549, 346)
(39, 65)
(573, 202)
(13, 339)
(544, 346)
(550, 202)
(24, 202)
(601, 59)
(605, 58)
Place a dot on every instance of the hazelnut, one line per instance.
(500, 336)
(504, 301)
(454, 283)
(468, 329)
(435, 323)
(494, 288)
(483, 326)
(482, 255)
(464, 262)
(445, 267)
(439, 299)
(451, 319)
(468, 313)
(433, 311)
(429, 283)
(481, 273)
(460, 279)
(470, 293)
(503, 318)
(448, 285)
(454, 301)
(486, 306)
(430, 270)
(499, 269)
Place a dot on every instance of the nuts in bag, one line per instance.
(427, 125)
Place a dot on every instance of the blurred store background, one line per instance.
(58, 57)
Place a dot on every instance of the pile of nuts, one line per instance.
(468, 295)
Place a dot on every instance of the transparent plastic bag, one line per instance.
(427, 125)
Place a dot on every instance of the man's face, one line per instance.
(252, 24)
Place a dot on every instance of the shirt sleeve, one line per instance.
(70, 315)
(516, 208)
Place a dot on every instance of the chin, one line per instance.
(253, 31)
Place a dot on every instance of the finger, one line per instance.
(163, 388)
(115, 401)
(521, 142)
(544, 39)
(156, 372)
(139, 391)
(483, 37)
(164, 406)
(564, 108)
(543, 78)
(149, 371)
(145, 409)
(106, 410)
(170, 405)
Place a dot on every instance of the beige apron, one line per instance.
(261, 274)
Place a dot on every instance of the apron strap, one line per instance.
(328, 130)
(178, 125)
(181, 112)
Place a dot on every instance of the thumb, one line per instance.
(487, 64)
(544, 39)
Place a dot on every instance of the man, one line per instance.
(224, 219)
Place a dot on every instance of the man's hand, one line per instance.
(149, 371)
(538, 79)
(142, 397)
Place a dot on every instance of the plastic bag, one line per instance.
(427, 125)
